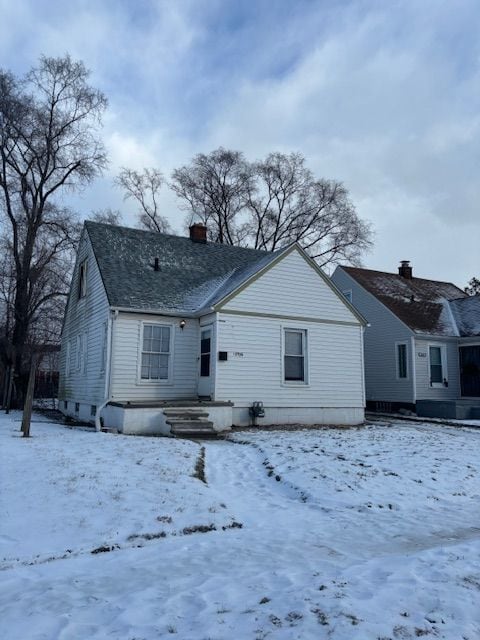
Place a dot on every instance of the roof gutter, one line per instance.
(157, 312)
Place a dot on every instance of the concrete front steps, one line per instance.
(190, 423)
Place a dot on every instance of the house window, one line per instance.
(85, 352)
(402, 366)
(348, 295)
(294, 358)
(68, 363)
(205, 352)
(93, 410)
(82, 280)
(65, 404)
(436, 366)
(77, 407)
(155, 352)
(79, 353)
(104, 346)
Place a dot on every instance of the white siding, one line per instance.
(424, 390)
(126, 354)
(253, 370)
(380, 337)
(84, 318)
(292, 287)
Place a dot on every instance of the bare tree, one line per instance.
(49, 143)
(107, 216)
(473, 287)
(288, 204)
(214, 189)
(144, 188)
(271, 203)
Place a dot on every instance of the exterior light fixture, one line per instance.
(182, 324)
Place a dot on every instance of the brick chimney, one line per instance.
(198, 233)
(405, 270)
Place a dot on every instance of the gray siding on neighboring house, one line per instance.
(126, 350)
(84, 317)
(424, 389)
(380, 338)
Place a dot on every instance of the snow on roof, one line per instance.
(423, 305)
(466, 312)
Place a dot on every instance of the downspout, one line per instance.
(362, 360)
(414, 371)
(108, 371)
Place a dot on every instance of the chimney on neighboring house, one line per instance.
(405, 270)
(198, 233)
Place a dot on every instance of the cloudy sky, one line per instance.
(383, 95)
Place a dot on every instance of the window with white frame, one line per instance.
(68, 364)
(82, 280)
(156, 352)
(79, 353)
(85, 352)
(402, 363)
(437, 364)
(103, 363)
(295, 355)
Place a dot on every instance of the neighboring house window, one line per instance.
(104, 346)
(77, 407)
(155, 352)
(82, 280)
(402, 366)
(436, 359)
(79, 353)
(93, 410)
(348, 295)
(294, 355)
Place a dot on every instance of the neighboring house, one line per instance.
(159, 324)
(422, 343)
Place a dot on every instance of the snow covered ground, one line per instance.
(368, 533)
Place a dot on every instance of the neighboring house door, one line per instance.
(205, 380)
(470, 371)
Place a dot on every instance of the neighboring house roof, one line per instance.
(423, 305)
(466, 312)
(191, 275)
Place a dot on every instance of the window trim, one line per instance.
(169, 380)
(103, 355)
(68, 355)
(397, 361)
(443, 356)
(82, 279)
(79, 353)
(306, 360)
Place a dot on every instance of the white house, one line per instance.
(422, 343)
(162, 330)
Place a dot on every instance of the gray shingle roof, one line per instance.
(419, 303)
(191, 276)
(466, 312)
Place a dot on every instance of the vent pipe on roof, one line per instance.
(198, 233)
(405, 270)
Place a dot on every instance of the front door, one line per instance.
(470, 371)
(205, 380)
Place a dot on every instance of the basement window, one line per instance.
(156, 352)
(294, 355)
